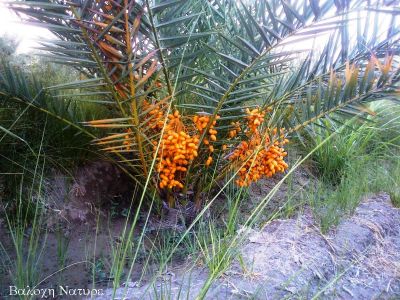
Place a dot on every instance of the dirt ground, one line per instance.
(292, 259)
(75, 229)
(287, 259)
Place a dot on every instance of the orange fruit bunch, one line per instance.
(201, 123)
(256, 165)
(236, 129)
(178, 149)
(156, 114)
(255, 118)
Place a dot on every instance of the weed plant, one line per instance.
(357, 160)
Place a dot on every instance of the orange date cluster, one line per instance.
(236, 129)
(178, 149)
(155, 113)
(257, 157)
(201, 123)
(258, 162)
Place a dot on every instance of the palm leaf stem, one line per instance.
(317, 78)
(110, 86)
(161, 55)
(100, 64)
(132, 90)
(331, 110)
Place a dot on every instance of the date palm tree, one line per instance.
(297, 63)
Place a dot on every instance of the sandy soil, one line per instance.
(292, 259)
